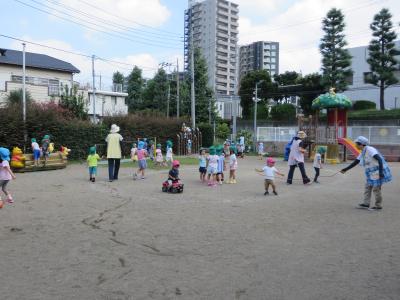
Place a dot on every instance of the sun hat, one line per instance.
(175, 163)
(4, 153)
(158, 146)
(33, 140)
(140, 145)
(114, 128)
(301, 134)
(92, 150)
(362, 140)
(46, 137)
(270, 160)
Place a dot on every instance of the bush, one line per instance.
(283, 112)
(364, 104)
(207, 132)
(374, 114)
(222, 131)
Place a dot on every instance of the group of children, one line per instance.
(43, 151)
(215, 163)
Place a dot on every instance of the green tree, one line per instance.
(135, 90)
(118, 78)
(336, 60)
(156, 92)
(247, 89)
(287, 84)
(311, 88)
(203, 93)
(73, 101)
(382, 54)
(222, 131)
(283, 112)
(15, 98)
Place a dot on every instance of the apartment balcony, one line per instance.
(234, 30)
(225, 58)
(222, 27)
(234, 9)
(222, 81)
(222, 43)
(223, 35)
(223, 4)
(222, 18)
(220, 72)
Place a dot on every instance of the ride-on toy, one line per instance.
(176, 187)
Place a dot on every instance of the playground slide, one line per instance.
(349, 144)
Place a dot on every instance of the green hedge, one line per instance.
(283, 112)
(78, 135)
(363, 105)
(207, 132)
(374, 114)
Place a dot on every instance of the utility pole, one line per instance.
(94, 90)
(255, 113)
(234, 114)
(193, 100)
(168, 97)
(177, 88)
(24, 95)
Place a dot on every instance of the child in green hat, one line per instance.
(212, 168)
(159, 156)
(36, 151)
(92, 159)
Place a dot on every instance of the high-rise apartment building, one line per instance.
(213, 24)
(260, 55)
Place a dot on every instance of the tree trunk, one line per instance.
(382, 96)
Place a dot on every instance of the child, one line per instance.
(36, 151)
(92, 159)
(173, 174)
(221, 164)
(141, 154)
(202, 165)
(45, 148)
(151, 150)
(168, 156)
(189, 147)
(134, 153)
(232, 165)
(377, 172)
(5, 174)
(260, 150)
(212, 160)
(317, 163)
(159, 156)
(269, 175)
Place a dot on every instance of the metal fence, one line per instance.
(378, 135)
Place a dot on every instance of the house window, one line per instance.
(220, 107)
(54, 87)
(113, 102)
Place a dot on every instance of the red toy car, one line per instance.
(176, 187)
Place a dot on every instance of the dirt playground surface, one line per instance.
(67, 238)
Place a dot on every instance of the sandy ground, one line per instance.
(66, 238)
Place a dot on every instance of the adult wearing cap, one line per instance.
(296, 158)
(113, 140)
(377, 172)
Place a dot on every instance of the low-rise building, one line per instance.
(44, 74)
(107, 103)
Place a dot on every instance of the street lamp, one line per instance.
(256, 100)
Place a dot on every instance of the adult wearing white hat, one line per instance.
(113, 140)
(377, 172)
(296, 158)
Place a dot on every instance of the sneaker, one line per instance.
(363, 205)
(375, 208)
(134, 176)
(93, 179)
(316, 181)
(275, 193)
(142, 177)
(220, 183)
(266, 193)
(10, 200)
(234, 181)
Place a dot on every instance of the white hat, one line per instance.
(362, 140)
(301, 134)
(114, 128)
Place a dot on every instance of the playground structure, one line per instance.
(21, 163)
(333, 134)
(184, 136)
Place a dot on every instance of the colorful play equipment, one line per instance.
(21, 162)
(333, 134)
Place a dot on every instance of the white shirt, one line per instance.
(269, 172)
(35, 146)
(295, 155)
(317, 160)
(368, 159)
(213, 161)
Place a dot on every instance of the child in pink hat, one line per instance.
(269, 172)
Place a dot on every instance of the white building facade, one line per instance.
(213, 24)
(360, 90)
(107, 103)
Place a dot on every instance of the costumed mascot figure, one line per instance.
(51, 147)
(65, 151)
(17, 158)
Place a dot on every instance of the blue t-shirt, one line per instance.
(173, 173)
(202, 162)
(221, 160)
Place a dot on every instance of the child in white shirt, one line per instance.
(317, 164)
(269, 175)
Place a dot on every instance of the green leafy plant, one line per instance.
(363, 105)
(281, 112)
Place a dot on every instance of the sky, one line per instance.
(146, 33)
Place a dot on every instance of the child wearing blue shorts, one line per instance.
(36, 151)
(92, 159)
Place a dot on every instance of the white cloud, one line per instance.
(299, 43)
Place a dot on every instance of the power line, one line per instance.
(120, 17)
(76, 53)
(95, 29)
(105, 21)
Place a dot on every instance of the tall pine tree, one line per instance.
(135, 90)
(382, 54)
(336, 60)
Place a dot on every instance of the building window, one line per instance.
(273, 53)
(273, 47)
(54, 87)
(113, 102)
(220, 107)
(367, 76)
(273, 59)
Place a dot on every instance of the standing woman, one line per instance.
(296, 158)
(113, 140)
